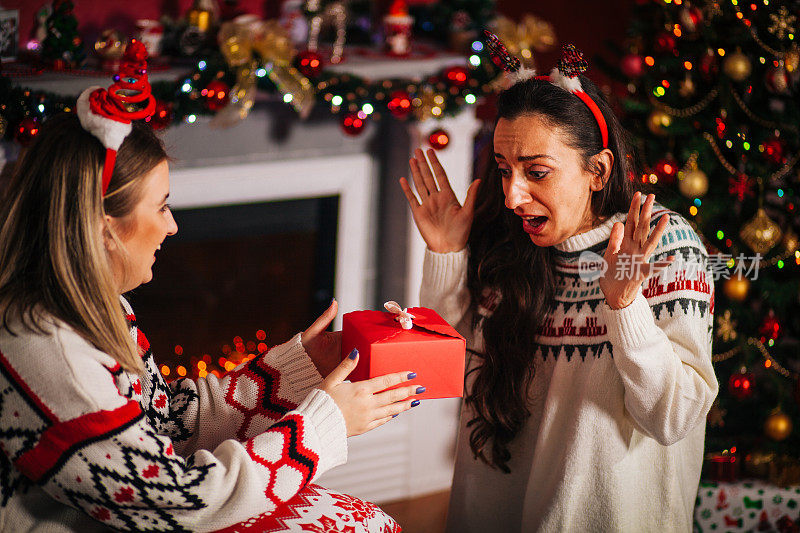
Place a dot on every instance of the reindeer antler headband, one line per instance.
(107, 114)
(565, 75)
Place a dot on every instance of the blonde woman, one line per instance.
(91, 436)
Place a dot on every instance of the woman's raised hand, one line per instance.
(362, 404)
(442, 221)
(629, 249)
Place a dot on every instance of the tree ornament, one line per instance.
(397, 29)
(782, 23)
(216, 95)
(658, 122)
(737, 66)
(693, 183)
(632, 65)
(161, 117)
(353, 123)
(736, 288)
(790, 241)
(439, 139)
(791, 60)
(28, 129)
(741, 383)
(709, 66)
(770, 327)
(741, 186)
(457, 76)
(726, 327)
(778, 425)
(774, 149)
(399, 104)
(777, 79)
(309, 63)
(686, 87)
(665, 42)
(691, 17)
(666, 170)
(761, 233)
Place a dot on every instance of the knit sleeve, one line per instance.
(662, 341)
(93, 448)
(444, 284)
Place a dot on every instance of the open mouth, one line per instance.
(534, 225)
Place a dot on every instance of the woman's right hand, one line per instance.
(443, 222)
(362, 404)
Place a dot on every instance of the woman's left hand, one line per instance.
(629, 250)
(323, 347)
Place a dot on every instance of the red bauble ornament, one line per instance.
(741, 384)
(399, 104)
(691, 17)
(309, 63)
(439, 139)
(353, 123)
(774, 149)
(665, 42)
(666, 170)
(457, 76)
(709, 66)
(770, 327)
(161, 117)
(632, 65)
(777, 80)
(27, 130)
(216, 95)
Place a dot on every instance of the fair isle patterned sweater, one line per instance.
(618, 401)
(136, 454)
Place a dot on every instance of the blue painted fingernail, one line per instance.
(420, 390)
(412, 375)
(353, 354)
(394, 416)
(415, 403)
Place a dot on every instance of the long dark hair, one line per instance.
(502, 258)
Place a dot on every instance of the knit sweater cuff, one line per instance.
(438, 269)
(324, 416)
(631, 326)
(296, 368)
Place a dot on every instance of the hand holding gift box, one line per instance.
(430, 347)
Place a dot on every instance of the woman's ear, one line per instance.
(603, 164)
(105, 233)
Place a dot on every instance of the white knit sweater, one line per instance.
(618, 402)
(78, 432)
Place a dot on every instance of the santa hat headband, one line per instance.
(107, 114)
(565, 75)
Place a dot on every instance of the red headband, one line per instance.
(565, 75)
(107, 114)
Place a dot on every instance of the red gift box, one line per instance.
(432, 348)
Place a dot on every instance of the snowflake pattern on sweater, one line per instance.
(138, 454)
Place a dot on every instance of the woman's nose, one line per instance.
(516, 193)
(172, 229)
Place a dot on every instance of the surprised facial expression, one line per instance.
(544, 179)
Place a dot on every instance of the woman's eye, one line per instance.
(504, 172)
(166, 208)
(538, 174)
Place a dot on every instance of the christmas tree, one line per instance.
(710, 93)
(63, 46)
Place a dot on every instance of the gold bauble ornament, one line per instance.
(791, 60)
(736, 288)
(761, 233)
(737, 66)
(693, 183)
(658, 122)
(778, 426)
(790, 241)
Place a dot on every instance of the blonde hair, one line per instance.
(53, 258)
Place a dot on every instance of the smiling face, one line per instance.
(142, 231)
(544, 179)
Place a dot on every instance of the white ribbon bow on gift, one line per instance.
(403, 316)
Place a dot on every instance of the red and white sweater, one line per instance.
(79, 433)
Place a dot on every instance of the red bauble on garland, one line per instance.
(665, 42)
(27, 130)
(691, 17)
(709, 66)
(774, 149)
(399, 104)
(309, 63)
(770, 328)
(741, 384)
(216, 95)
(632, 65)
(353, 123)
(161, 117)
(666, 170)
(439, 139)
(777, 79)
(457, 76)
